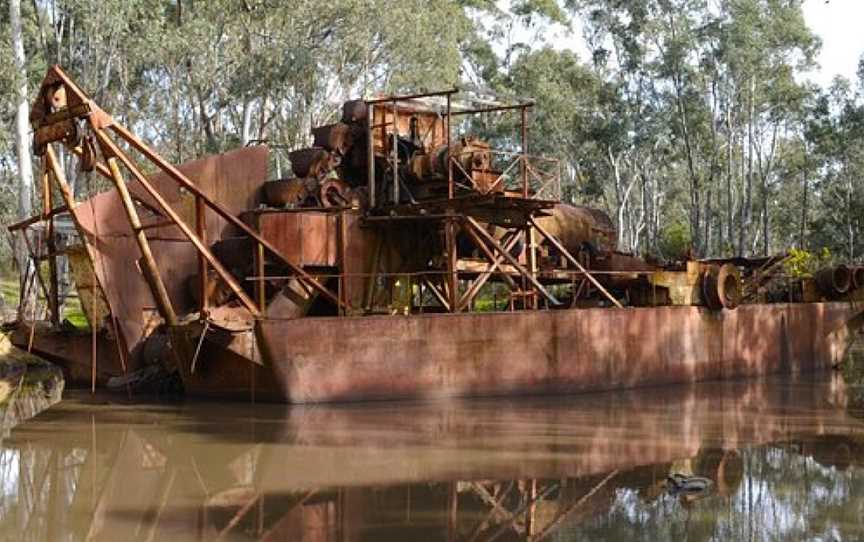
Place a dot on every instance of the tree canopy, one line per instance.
(689, 121)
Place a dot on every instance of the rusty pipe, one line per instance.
(834, 281)
(858, 277)
(721, 287)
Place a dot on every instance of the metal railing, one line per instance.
(534, 177)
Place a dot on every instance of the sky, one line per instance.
(840, 24)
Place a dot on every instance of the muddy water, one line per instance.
(784, 460)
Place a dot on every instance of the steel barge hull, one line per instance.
(312, 360)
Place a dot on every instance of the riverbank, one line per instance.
(28, 385)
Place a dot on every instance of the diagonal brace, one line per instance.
(509, 242)
(492, 242)
(111, 149)
(569, 257)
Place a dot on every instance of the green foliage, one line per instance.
(675, 241)
(548, 9)
(687, 120)
(802, 263)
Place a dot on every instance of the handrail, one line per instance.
(540, 179)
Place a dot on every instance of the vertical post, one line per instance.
(370, 153)
(524, 114)
(53, 294)
(451, 190)
(452, 511)
(260, 284)
(452, 261)
(530, 512)
(394, 154)
(93, 294)
(163, 302)
(343, 261)
(203, 269)
(531, 256)
(72, 205)
(529, 249)
(372, 280)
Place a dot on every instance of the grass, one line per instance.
(9, 291)
(71, 308)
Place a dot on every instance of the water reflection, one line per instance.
(785, 460)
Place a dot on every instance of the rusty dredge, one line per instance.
(361, 276)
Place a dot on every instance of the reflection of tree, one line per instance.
(785, 494)
(852, 369)
(600, 471)
(37, 489)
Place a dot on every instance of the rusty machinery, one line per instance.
(394, 157)
(388, 212)
(387, 208)
(447, 214)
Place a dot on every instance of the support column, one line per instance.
(524, 156)
(531, 260)
(260, 284)
(452, 511)
(532, 509)
(370, 155)
(343, 262)
(163, 302)
(203, 269)
(450, 229)
(71, 205)
(394, 154)
(53, 290)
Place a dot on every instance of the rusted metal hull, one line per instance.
(72, 352)
(532, 352)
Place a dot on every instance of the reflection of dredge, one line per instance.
(207, 481)
(390, 213)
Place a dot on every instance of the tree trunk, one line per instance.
(803, 235)
(730, 231)
(22, 122)
(765, 219)
(22, 135)
(247, 122)
(748, 190)
(706, 237)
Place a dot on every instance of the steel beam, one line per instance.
(480, 281)
(491, 241)
(160, 293)
(109, 148)
(569, 257)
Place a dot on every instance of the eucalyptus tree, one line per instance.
(724, 74)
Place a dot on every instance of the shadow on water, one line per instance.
(780, 459)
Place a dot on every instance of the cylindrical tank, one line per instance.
(312, 162)
(354, 111)
(834, 281)
(576, 225)
(334, 137)
(858, 277)
(282, 192)
(471, 154)
(721, 287)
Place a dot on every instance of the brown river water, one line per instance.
(784, 459)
